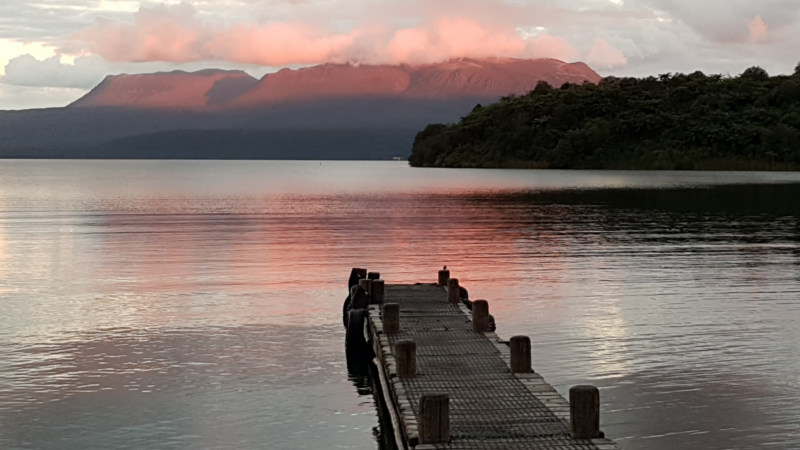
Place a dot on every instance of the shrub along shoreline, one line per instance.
(671, 122)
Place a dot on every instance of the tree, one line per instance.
(542, 86)
(755, 72)
(797, 70)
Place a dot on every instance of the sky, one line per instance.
(53, 51)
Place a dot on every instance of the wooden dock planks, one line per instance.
(489, 407)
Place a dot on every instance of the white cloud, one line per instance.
(27, 97)
(26, 70)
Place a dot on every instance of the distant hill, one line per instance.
(162, 114)
(176, 89)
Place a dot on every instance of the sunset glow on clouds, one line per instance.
(177, 34)
(73, 44)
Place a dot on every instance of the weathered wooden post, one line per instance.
(366, 283)
(378, 289)
(405, 353)
(584, 412)
(521, 354)
(434, 419)
(480, 316)
(444, 275)
(391, 318)
(373, 275)
(453, 293)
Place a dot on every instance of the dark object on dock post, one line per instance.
(521, 354)
(356, 274)
(378, 290)
(356, 345)
(405, 353)
(480, 316)
(444, 275)
(366, 283)
(584, 412)
(453, 293)
(373, 275)
(391, 318)
(434, 419)
(359, 297)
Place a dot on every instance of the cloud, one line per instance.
(160, 33)
(25, 97)
(726, 21)
(177, 34)
(758, 29)
(277, 44)
(457, 38)
(602, 54)
(26, 70)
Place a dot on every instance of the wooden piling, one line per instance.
(378, 290)
(584, 412)
(391, 318)
(453, 293)
(521, 354)
(434, 420)
(406, 355)
(444, 275)
(480, 316)
(373, 275)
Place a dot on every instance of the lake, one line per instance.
(197, 304)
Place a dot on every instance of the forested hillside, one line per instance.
(695, 121)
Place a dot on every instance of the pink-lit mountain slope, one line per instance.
(490, 78)
(464, 78)
(496, 78)
(178, 89)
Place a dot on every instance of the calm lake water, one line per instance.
(197, 304)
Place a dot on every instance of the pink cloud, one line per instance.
(277, 44)
(548, 46)
(758, 29)
(160, 33)
(603, 54)
(176, 34)
(452, 38)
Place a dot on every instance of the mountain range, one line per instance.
(329, 111)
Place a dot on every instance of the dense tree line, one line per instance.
(694, 121)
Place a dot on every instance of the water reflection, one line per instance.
(156, 303)
(242, 387)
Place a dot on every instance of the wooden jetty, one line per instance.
(450, 383)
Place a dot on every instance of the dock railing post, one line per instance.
(444, 275)
(373, 275)
(584, 412)
(453, 293)
(434, 419)
(405, 353)
(391, 318)
(378, 290)
(480, 316)
(521, 354)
